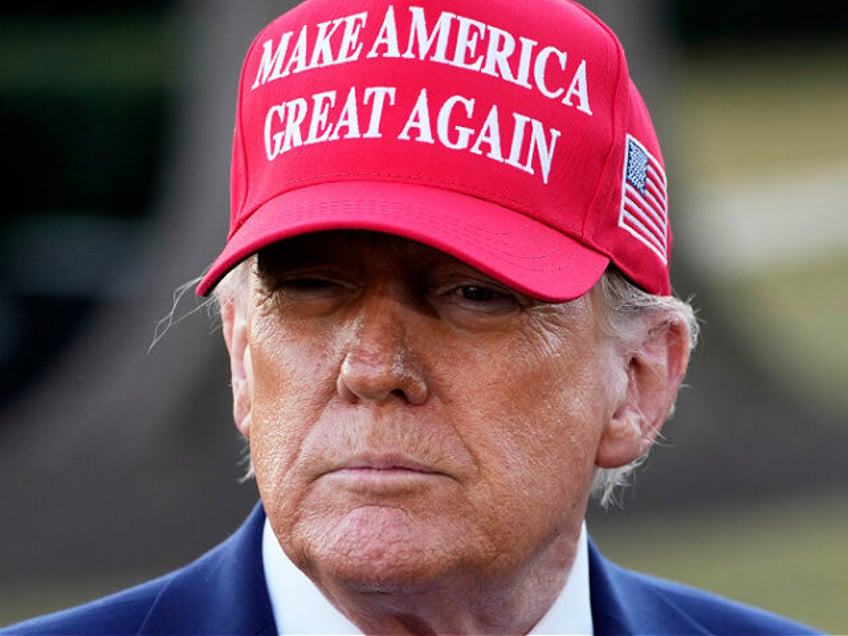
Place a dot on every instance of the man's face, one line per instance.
(412, 421)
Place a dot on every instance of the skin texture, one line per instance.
(423, 437)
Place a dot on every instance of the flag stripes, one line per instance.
(644, 200)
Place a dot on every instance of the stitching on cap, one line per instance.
(364, 175)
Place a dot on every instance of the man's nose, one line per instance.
(379, 363)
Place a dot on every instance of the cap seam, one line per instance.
(489, 196)
(620, 81)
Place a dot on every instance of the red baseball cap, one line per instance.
(506, 134)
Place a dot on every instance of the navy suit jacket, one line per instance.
(224, 592)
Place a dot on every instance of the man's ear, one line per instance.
(652, 374)
(234, 321)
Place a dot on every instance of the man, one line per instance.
(446, 299)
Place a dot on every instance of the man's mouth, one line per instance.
(382, 473)
(385, 463)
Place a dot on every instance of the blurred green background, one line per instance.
(118, 463)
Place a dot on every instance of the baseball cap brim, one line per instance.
(512, 248)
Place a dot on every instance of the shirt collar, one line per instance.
(300, 608)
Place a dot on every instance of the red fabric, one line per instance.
(490, 130)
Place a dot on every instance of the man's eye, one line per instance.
(483, 299)
(305, 284)
(478, 294)
(307, 288)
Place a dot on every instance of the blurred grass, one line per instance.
(795, 319)
(790, 558)
(750, 111)
(746, 114)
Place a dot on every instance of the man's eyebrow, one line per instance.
(276, 256)
(272, 260)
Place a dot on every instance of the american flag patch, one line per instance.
(644, 202)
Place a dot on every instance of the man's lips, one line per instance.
(384, 472)
(384, 463)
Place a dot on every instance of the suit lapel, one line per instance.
(609, 611)
(624, 602)
(223, 592)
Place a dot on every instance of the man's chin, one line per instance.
(381, 549)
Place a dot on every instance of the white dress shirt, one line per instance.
(300, 608)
